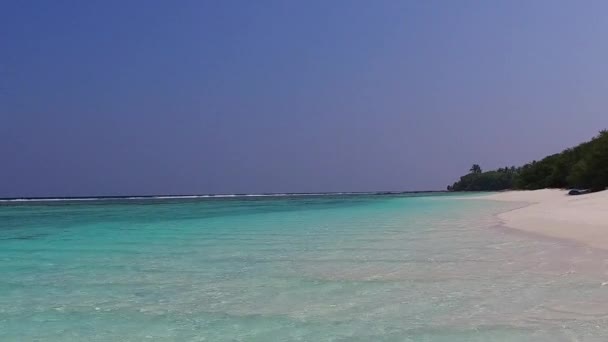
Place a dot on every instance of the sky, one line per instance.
(191, 97)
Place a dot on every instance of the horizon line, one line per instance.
(212, 195)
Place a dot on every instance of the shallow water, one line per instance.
(312, 268)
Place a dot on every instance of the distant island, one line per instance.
(584, 167)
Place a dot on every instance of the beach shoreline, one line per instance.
(555, 214)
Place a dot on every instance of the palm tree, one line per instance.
(475, 168)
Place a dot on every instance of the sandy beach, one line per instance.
(553, 213)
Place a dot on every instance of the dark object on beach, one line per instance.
(577, 192)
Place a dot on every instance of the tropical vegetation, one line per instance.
(584, 166)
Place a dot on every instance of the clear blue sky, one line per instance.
(151, 97)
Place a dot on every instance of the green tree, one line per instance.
(475, 168)
(583, 166)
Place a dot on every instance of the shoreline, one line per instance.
(553, 213)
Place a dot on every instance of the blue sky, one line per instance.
(158, 97)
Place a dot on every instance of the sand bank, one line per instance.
(582, 218)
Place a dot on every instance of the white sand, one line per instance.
(582, 218)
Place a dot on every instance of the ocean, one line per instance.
(422, 267)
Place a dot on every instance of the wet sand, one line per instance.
(553, 213)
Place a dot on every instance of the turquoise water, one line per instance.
(307, 268)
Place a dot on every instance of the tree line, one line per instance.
(584, 166)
